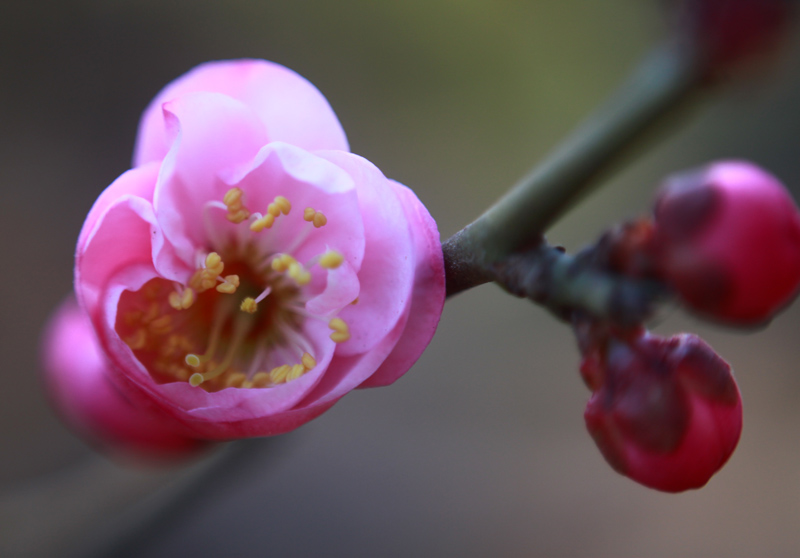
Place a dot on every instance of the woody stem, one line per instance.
(663, 84)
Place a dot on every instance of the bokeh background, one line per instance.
(480, 450)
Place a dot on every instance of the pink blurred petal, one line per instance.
(291, 109)
(75, 374)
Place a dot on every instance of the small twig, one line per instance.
(139, 530)
(664, 83)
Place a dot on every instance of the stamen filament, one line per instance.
(194, 360)
(241, 328)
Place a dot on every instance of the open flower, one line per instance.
(249, 271)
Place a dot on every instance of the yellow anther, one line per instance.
(341, 332)
(308, 361)
(181, 300)
(282, 262)
(249, 305)
(339, 337)
(278, 375)
(233, 197)
(161, 325)
(261, 379)
(319, 220)
(195, 379)
(226, 288)
(297, 371)
(331, 259)
(234, 202)
(230, 284)
(175, 300)
(264, 222)
(192, 360)
(152, 313)
(284, 204)
(273, 209)
(238, 216)
(299, 273)
(137, 340)
(308, 214)
(235, 380)
(214, 263)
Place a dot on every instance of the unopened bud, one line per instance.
(727, 240)
(664, 412)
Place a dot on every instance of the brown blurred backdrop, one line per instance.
(480, 450)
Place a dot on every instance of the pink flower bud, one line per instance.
(729, 31)
(667, 413)
(79, 387)
(249, 271)
(728, 241)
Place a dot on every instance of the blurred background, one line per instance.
(480, 450)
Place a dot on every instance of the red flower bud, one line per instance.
(729, 31)
(667, 412)
(727, 239)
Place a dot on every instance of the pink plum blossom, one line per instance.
(249, 270)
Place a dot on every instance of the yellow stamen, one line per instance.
(249, 305)
(341, 332)
(137, 340)
(297, 371)
(331, 259)
(181, 300)
(238, 216)
(319, 220)
(214, 263)
(233, 197)
(264, 222)
(284, 204)
(338, 337)
(308, 214)
(261, 379)
(192, 360)
(278, 375)
(241, 327)
(233, 200)
(308, 361)
(161, 325)
(273, 209)
(235, 380)
(299, 273)
(282, 262)
(231, 282)
(195, 379)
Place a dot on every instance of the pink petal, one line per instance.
(140, 182)
(428, 293)
(306, 180)
(386, 274)
(291, 108)
(79, 387)
(341, 289)
(212, 133)
(120, 239)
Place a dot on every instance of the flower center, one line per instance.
(238, 321)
